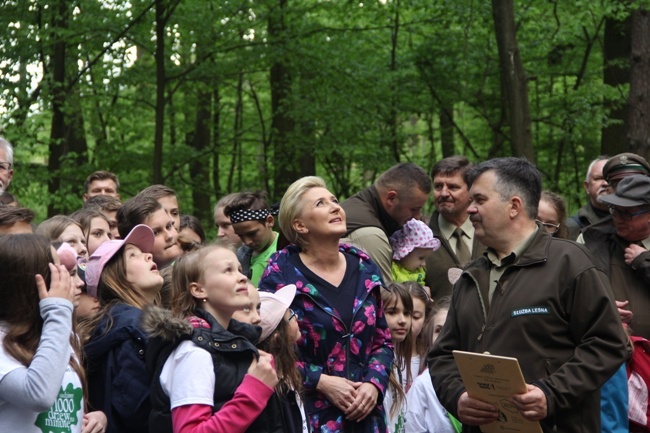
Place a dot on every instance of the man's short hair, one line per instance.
(515, 176)
(450, 166)
(103, 203)
(157, 191)
(592, 163)
(247, 200)
(101, 175)
(10, 215)
(9, 150)
(404, 177)
(135, 211)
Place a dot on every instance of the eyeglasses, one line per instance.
(292, 314)
(5, 166)
(617, 212)
(550, 228)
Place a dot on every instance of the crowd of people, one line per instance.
(314, 315)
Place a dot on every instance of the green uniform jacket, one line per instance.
(552, 310)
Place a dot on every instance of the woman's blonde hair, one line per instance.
(291, 207)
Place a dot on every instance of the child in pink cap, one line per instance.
(411, 245)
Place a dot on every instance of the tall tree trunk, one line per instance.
(283, 125)
(639, 99)
(447, 130)
(216, 139)
(393, 142)
(616, 54)
(57, 131)
(513, 78)
(161, 21)
(67, 134)
(201, 140)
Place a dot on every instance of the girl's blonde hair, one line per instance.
(188, 269)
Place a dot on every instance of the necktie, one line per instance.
(462, 252)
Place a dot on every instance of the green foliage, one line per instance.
(368, 83)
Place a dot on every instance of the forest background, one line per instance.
(211, 97)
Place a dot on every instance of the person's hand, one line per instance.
(365, 402)
(632, 252)
(475, 412)
(532, 404)
(264, 369)
(626, 315)
(94, 422)
(341, 392)
(60, 286)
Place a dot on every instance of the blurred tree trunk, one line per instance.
(639, 99)
(283, 125)
(616, 54)
(513, 78)
(447, 130)
(199, 165)
(161, 21)
(67, 135)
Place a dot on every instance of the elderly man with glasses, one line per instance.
(621, 250)
(6, 164)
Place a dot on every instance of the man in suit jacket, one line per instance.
(451, 198)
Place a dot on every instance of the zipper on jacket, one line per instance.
(480, 298)
(346, 336)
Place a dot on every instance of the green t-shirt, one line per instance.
(259, 261)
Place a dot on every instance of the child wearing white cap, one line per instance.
(280, 332)
(411, 246)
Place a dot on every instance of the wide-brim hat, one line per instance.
(631, 191)
(273, 307)
(141, 236)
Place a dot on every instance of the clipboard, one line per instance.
(494, 379)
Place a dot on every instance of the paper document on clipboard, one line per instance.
(494, 379)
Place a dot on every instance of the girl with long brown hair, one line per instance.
(41, 381)
(124, 278)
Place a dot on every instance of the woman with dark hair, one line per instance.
(345, 352)
(39, 360)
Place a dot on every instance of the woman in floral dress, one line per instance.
(345, 350)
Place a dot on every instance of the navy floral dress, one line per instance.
(360, 351)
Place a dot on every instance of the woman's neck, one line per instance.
(323, 257)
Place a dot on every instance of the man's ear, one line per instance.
(391, 197)
(270, 221)
(516, 206)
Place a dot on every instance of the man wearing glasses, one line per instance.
(6, 164)
(622, 252)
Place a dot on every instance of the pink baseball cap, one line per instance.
(272, 309)
(141, 236)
